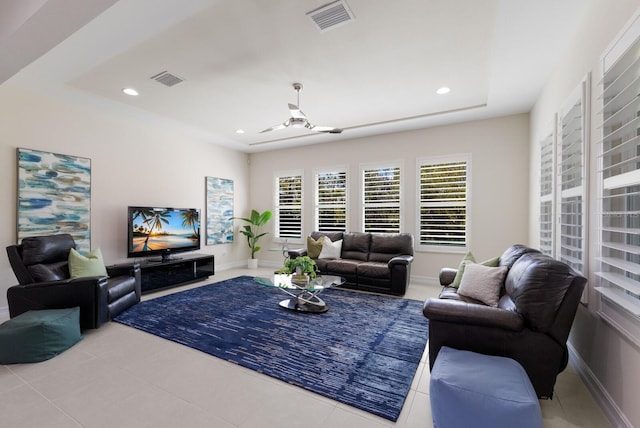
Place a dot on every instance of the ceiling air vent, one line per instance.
(331, 15)
(167, 78)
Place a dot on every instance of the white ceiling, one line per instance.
(239, 59)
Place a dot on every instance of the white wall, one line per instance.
(610, 361)
(131, 165)
(499, 150)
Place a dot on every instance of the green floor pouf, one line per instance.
(39, 335)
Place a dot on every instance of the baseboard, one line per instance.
(4, 312)
(425, 280)
(600, 394)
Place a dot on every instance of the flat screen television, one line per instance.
(162, 231)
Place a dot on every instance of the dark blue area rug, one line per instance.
(363, 352)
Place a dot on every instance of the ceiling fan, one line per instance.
(299, 120)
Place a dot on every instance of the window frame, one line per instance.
(573, 127)
(278, 206)
(547, 147)
(381, 166)
(317, 206)
(437, 160)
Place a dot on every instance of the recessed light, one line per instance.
(239, 131)
(443, 90)
(130, 91)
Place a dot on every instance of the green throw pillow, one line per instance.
(85, 266)
(469, 258)
(314, 246)
(463, 263)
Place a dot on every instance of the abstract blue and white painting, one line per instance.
(54, 196)
(219, 211)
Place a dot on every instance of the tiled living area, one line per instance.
(121, 377)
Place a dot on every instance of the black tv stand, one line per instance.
(166, 258)
(170, 272)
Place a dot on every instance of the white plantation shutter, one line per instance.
(571, 240)
(443, 188)
(331, 200)
(619, 157)
(547, 167)
(289, 206)
(381, 199)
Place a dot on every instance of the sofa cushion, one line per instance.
(385, 246)
(482, 283)
(46, 249)
(314, 246)
(355, 246)
(537, 285)
(322, 264)
(469, 259)
(83, 266)
(343, 266)
(513, 253)
(330, 250)
(463, 263)
(333, 236)
(49, 272)
(374, 270)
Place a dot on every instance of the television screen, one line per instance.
(162, 231)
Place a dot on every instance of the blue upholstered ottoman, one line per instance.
(481, 391)
(39, 335)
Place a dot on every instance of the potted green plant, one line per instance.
(304, 265)
(252, 231)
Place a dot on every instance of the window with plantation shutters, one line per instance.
(331, 200)
(381, 196)
(443, 186)
(546, 195)
(619, 192)
(571, 149)
(288, 212)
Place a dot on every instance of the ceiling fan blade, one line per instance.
(276, 127)
(327, 129)
(296, 113)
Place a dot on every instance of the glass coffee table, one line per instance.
(304, 297)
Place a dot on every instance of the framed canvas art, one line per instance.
(54, 196)
(219, 210)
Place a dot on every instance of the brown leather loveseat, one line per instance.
(537, 303)
(378, 262)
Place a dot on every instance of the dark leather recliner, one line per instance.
(41, 267)
(539, 300)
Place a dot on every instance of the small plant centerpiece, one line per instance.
(302, 269)
(252, 231)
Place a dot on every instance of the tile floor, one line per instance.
(120, 377)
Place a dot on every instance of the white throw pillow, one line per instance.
(482, 283)
(331, 250)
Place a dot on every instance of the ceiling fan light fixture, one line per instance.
(298, 123)
(299, 120)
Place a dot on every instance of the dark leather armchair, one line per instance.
(41, 267)
(538, 302)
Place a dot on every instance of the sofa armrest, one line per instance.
(401, 260)
(123, 269)
(81, 292)
(447, 275)
(459, 312)
(297, 252)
